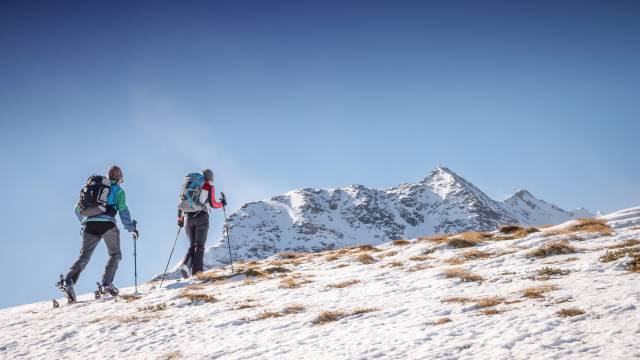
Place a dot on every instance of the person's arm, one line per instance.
(212, 199)
(125, 216)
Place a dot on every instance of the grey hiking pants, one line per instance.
(91, 235)
(197, 228)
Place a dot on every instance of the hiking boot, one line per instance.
(110, 289)
(185, 271)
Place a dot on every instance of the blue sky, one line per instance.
(286, 94)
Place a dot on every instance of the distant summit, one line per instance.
(319, 219)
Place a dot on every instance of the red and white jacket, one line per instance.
(208, 195)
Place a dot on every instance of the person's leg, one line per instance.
(89, 243)
(189, 228)
(201, 231)
(112, 239)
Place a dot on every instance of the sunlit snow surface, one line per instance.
(409, 303)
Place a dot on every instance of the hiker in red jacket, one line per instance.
(195, 219)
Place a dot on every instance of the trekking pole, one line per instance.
(135, 259)
(226, 229)
(170, 255)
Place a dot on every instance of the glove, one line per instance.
(223, 199)
(135, 234)
(180, 221)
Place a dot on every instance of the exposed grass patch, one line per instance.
(441, 321)
(462, 274)
(267, 314)
(276, 269)
(335, 315)
(634, 264)
(292, 283)
(245, 305)
(329, 316)
(252, 273)
(343, 284)
(210, 276)
(388, 253)
(476, 254)
(437, 238)
(332, 257)
(294, 309)
(553, 248)
(490, 312)
(290, 255)
(480, 302)
(395, 263)
(458, 299)
(512, 232)
(570, 312)
(365, 259)
(592, 225)
(428, 251)
(455, 261)
(537, 291)
(509, 229)
(620, 253)
(153, 308)
(549, 271)
(367, 247)
(467, 239)
(420, 258)
(401, 242)
(419, 267)
(177, 354)
(339, 266)
(197, 297)
(129, 297)
(624, 244)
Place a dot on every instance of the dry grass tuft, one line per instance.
(490, 311)
(537, 291)
(367, 247)
(570, 312)
(489, 301)
(339, 266)
(401, 242)
(618, 254)
(458, 299)
(290, 255)
(365, 259)
(294, 309)
(245, 305)
(153, 308)
(634, 264)
(509, 229)
(343, 284)
(437, 238)
(395, 263)
(129, 297)
(553, 248)
(468, 239)
(455, 261)
(462, 274)
(441, 321)
(291, 282)
(624, 244)
(419, 267)
(252, 273)
(276, 269)
(420, 258)
(197, 297)
(329, 316)
(476, 254)
(332, 257)
(549, 271)
(592, 225)
(177, 354)
(269, 314)
(209, 276)
(388, 253)
(335, 315)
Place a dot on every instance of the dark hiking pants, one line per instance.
(197, 228)
(92, 232)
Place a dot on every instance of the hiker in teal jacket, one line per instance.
(103, 226)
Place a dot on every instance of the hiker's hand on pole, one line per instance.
(135, 234)
(180, 221)
(223, 199)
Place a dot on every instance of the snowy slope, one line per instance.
(404, 291)
(317, 219)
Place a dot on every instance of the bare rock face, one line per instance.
(318, 219)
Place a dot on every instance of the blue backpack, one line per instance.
(190, 193)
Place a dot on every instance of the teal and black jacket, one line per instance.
(117, 202)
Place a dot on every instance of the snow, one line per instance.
(408, 304)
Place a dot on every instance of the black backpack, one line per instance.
(93, 196)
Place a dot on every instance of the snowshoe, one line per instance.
(67, 288)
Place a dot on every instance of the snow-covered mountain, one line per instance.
(318, 219)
